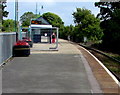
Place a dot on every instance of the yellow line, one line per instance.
(22, 49)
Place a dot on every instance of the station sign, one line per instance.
(36, 22)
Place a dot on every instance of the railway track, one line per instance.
(113, 60)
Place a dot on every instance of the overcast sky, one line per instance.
(63, 8)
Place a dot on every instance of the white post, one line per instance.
(57, 39)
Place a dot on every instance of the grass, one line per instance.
(110, 64)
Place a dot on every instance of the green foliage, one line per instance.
(80, 14)
(107, 9)
(4, 13)
(26, 18)
(110, 16)
(8, 25)
(55, 21)
(68, 31)
(87, 25)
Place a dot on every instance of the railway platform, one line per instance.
(70, 69)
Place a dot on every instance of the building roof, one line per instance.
(43, 21)
(40, 23)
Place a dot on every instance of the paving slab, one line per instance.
(62, 71)
(0, 82)
(107, 84)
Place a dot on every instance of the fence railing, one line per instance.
(7, 40)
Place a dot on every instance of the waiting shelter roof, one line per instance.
(40, 26)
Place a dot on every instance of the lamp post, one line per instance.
(16, 19)
(36, 9)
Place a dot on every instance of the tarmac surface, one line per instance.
(62, 71)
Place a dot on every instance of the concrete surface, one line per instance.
(106, 82)
(60, 71)
(0, 81)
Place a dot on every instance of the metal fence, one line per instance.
(7, 40)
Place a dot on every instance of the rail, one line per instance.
(102, 53)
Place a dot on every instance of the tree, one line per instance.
(110, 17)
(107, 9)
(8, 25)
(67, 32)
(54, 20)
(87, 25)
(26, 18)
(4, 13)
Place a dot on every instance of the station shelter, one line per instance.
(41, 31)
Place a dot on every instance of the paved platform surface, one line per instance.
(62, 71)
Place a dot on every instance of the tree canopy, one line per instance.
(26, 18)
(87, 25)
(110, 22)
(53, 19)
(8, 25)
(67, 31)
(107, 9)
(4, 13)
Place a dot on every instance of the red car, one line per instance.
(21, 48)
(28, 40)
